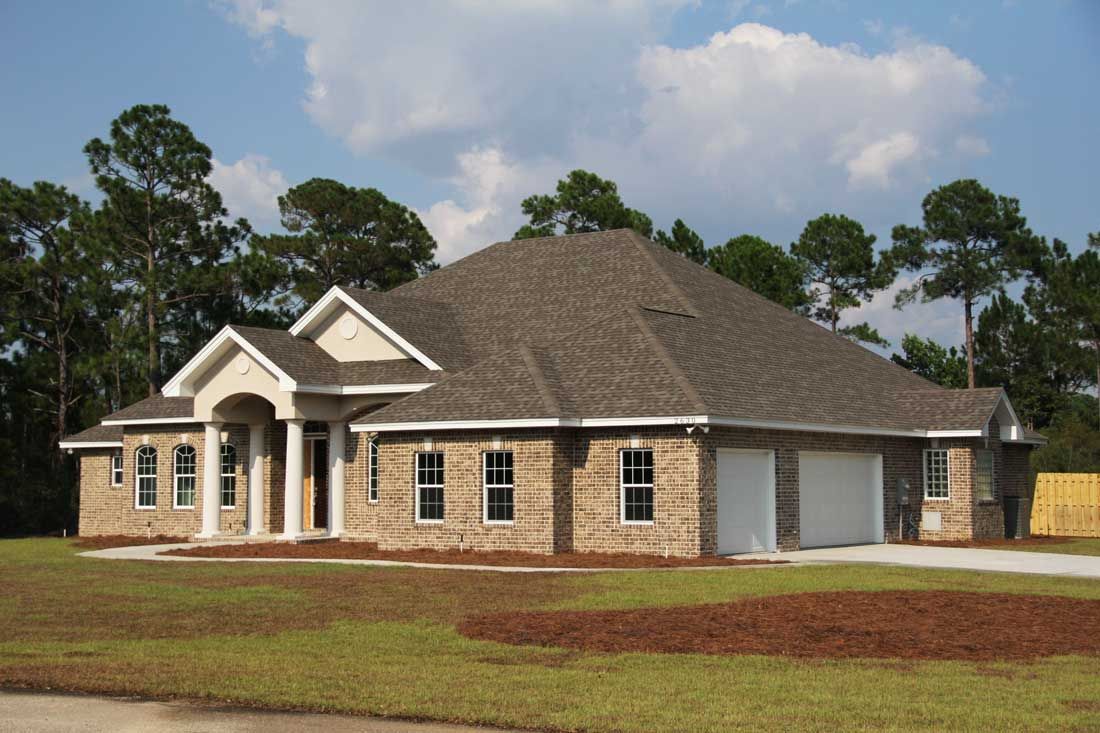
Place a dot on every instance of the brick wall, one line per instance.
(107, 509)
(392, 521)
(963, 516)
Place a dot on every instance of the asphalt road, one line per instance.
(47, 713)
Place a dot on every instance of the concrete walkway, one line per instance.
(47, 713)
(152, 552)
(1005, 561)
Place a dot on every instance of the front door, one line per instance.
(315, 485)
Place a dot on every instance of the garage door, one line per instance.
(840, 498)
(746, 501)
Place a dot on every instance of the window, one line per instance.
(146, 473)
(116, 469)
(185, 477)
(229, 476)
(636, 485)
(936, 484)
(372, 472)
(983, 475)
(429, 487)
(499, 491)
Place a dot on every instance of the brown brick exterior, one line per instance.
(566, 487)
(108, 510)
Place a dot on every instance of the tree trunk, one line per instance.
(968, 306)
(62, 374)
(151, 335)
(1096, 347)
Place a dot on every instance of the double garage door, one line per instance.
(840, 500)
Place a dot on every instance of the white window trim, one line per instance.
(992, 477)
(138, 476)
(416, 469)
(485, 486)
(924, 469)
(372, 473)
(622, 493)
(118, 471)
(176, 476)
(221, 475)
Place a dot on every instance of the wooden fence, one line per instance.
(1066, 505)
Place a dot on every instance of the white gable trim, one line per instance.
(76, 444)
(360, 388)
(320, 308)
(174, 386)
(1012, 433)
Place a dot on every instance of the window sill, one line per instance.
(499, 522)
(937, 498)
(229, 508)
(183, 508)
(145, 508)
(636, 524)
(429, 521)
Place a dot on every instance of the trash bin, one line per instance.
(1017, 517)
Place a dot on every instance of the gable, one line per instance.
(347, 336)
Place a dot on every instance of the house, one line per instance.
(592, 392)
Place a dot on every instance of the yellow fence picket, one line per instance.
(1066, 505)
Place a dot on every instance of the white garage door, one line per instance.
(840, 498)
(746, 501)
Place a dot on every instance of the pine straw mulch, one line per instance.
(991, 543)
(932, 625)
(496, 558)
(117, 540)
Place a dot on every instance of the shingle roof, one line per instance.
(633, 329)
(949, 409)
(97, 434)
(156, 406)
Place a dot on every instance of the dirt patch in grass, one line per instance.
(117, 540)
(833, 625)
(370, 551)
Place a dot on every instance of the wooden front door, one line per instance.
(315, 485)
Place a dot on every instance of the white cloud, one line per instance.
(250, 188)
(752, 130)
(971, 145)
(940, 320)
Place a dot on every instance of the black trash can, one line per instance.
(1017, 517)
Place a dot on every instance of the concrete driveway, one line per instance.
(42, 713)
(1005, 561)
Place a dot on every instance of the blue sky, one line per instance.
(737, 116)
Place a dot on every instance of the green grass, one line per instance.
(1075, 546)
(382, 641)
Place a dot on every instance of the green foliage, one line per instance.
(1074, 439)
(683, 240)
(924, 357)
(761, 267)
(584, 202)
(972, 243)
(838, 258)
(162, 226)
(342, 235)
(1029, 356)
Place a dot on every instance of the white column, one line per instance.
(256, 479)
(335, 479)
(292, 486)
(211, 480)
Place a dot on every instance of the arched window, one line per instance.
(145, 469)
(185, 477)
(229, 476)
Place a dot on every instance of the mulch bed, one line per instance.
(991, 544)
(370, 551)
(117, 540)
(830, 625)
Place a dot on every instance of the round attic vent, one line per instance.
(348, 327)
(242, 364)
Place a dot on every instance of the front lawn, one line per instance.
(1071, 546)
(383, 641)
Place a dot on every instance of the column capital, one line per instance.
(299, 421)
(216, 424)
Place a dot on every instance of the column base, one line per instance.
(293, 537)
(206, 535)
(334, 535)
